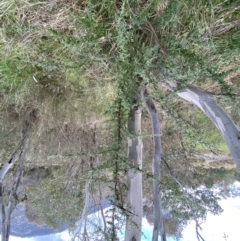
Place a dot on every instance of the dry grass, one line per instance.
(65, 59)
(226, 163)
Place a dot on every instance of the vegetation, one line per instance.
(81, 65)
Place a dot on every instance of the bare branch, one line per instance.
(171, 172)
(205, 102)
(199, 237)
(157, 155)
(134, 177)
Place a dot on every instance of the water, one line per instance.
(224, 227)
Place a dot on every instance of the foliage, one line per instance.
(80, 64)
(57, 205)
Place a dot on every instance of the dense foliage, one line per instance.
(78, 63)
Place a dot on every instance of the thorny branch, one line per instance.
(156, 37)
(171, 172)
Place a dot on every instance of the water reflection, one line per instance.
(215, 228)
(22, 226)
(218, 228)
(54, 198)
